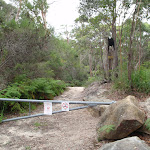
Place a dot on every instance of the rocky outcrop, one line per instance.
(120, 119)
(96, 92)
(131, 143)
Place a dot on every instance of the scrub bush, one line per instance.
(40, 88)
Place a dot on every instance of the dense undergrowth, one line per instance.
(140, 80)
(40, 88)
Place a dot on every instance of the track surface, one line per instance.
(74, 130)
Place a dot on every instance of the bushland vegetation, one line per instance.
(37, 64)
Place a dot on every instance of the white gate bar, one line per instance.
(57, 101)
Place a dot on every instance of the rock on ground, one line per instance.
(120, 119)
(131, 143)
(96, 92)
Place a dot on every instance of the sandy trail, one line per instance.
(74, 130)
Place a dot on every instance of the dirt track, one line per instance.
(74, 130)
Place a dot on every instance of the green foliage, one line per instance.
(147, 123)
(46, 88)
(107, 128)
(146, 65)
(20, 78)
(28, 148)
(40, 88)
(99, 139)
(1, 117)
(37, 124)
(36, 52)
(17, 107)
(11, 91)
(11, 25)
(122, 82)
(93, 79)
(141, 80)
(75, 82)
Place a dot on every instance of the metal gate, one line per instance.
(86, 104)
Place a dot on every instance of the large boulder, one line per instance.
(131, 143)
(120, 119)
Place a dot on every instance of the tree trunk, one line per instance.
(130, 53)
(115, 60)
(140, 49)
(120, 34)
(18, 11)
(105, 57)
(90, 62)
(101, 59)
(44, 18)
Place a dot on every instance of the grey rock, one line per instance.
(96, 93)
(120, 119)
(131, 143)
(98, 110)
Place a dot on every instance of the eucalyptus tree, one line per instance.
(41, 6)
(109, 12)
(105, 11)
(87, 41)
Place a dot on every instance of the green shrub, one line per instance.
(75, 83)
(1, 117)
(93, 79)
(40, 88)
(122, 82)
(141, 80)
(20, 78)
(147, 124)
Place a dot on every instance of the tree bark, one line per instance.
(18, 11)
(140, 49)
(115, 64)
(105, 57)
(130, 52)
(44, 18)
(120, 34)
(90, 62)
(102, 62)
